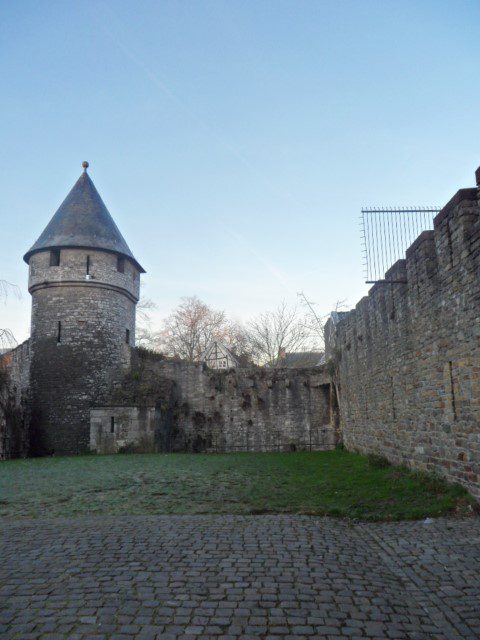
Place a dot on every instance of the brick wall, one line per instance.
(406, 360)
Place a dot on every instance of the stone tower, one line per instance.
(84, 282)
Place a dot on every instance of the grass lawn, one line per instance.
(333, 483)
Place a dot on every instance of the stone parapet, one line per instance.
(407, 358)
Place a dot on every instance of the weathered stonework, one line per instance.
(121, 429)
(73, 363)
(15, 402)
(406, 361)
(197, 409)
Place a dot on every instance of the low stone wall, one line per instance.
(406, 361)
(121, 429)
(14, 402)
(197, 409)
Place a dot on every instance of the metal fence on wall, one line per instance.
(387, 233)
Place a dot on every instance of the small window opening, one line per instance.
(121, 264)
(392, 389)
(452, 391)
(55, 258)
(112, 424)
(59, 331)
(127, 336)
(88, 265)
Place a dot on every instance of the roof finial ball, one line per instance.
(85, 165)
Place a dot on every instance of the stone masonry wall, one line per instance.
(119, 429)
(406, 361)
(14, 402)
(73, 371)
(197, 409)
(72, 270)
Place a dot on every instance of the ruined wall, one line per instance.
(14, 402)
(406, 361)
(197, 409)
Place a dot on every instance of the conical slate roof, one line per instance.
(83, 221)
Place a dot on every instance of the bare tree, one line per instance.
(275, 332)
(236, 337)
(187, 332)
(146, 336)
(144, 306)
(7, 339)
(149, 338)
(314, 322)
(318, 325)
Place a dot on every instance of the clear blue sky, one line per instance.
(234, 142)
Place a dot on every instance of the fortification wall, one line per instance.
(73, 371)
(406, 361)
(82, 328)
(198, 409)
(14, 402)
(72, 270)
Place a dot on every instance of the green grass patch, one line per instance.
(334, 483)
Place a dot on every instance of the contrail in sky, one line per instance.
(279, 275)
(132, 53)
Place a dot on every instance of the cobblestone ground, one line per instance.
(236, 577)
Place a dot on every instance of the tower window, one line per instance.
(88, 265)
(55, 258)
(112, 424)
(127, 336)
(121, 264)
(59, 331)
